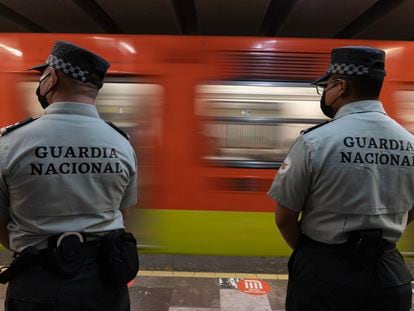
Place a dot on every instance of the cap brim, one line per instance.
(322, 79)
(40, 68)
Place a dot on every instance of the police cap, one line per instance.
(360, 61)
(76, 62)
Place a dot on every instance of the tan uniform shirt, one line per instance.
(355, 172)
(66, 171)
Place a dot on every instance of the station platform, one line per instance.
(206, 283)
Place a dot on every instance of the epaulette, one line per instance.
(314, 127)
(123, 133)
(15, 126)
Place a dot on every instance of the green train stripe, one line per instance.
(216, 233)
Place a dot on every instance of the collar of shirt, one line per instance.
(87, 110)
(360, 107)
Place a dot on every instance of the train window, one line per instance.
(254, 125)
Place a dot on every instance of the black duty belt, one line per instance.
(67, 252)
(342, 248)
(364, 248)
(91, 250)
(46, 258)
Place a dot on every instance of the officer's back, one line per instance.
(67, 179)
(69, 170)
(351, 179)
(363, 160)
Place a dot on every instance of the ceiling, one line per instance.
(358, 19)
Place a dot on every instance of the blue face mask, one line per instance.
(42, 98)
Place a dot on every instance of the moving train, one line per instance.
(211, 119)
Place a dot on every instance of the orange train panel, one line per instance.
(179, 65)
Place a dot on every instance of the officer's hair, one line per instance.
(77, 86)
(362, 87)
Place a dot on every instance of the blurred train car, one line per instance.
(211, 119)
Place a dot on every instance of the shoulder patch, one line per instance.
(314, 127)
(15, 126)
(287, 163)
(123, 133)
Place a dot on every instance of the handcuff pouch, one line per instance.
(67, 253)
(119, 257)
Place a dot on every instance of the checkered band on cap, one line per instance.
(348, 69)
(67, 68)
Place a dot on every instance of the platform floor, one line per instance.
(192, 283)
(202, 294)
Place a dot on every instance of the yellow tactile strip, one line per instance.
(186, 274)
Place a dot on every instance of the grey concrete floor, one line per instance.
(165, 286)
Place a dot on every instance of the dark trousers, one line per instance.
(38, 289)
(323, 280)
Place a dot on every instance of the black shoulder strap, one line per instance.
(314, 127)
(15, 126)
(123, 133)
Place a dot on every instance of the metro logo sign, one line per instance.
(253, 287)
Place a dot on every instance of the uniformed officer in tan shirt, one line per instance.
(66, 172)
(345, 195)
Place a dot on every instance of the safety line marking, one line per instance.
(187, 274)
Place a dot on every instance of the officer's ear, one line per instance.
(344, 88)
(53, 79)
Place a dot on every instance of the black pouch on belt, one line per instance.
(368, 247)
(120, 257)
(25, 259)
(67, 253)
